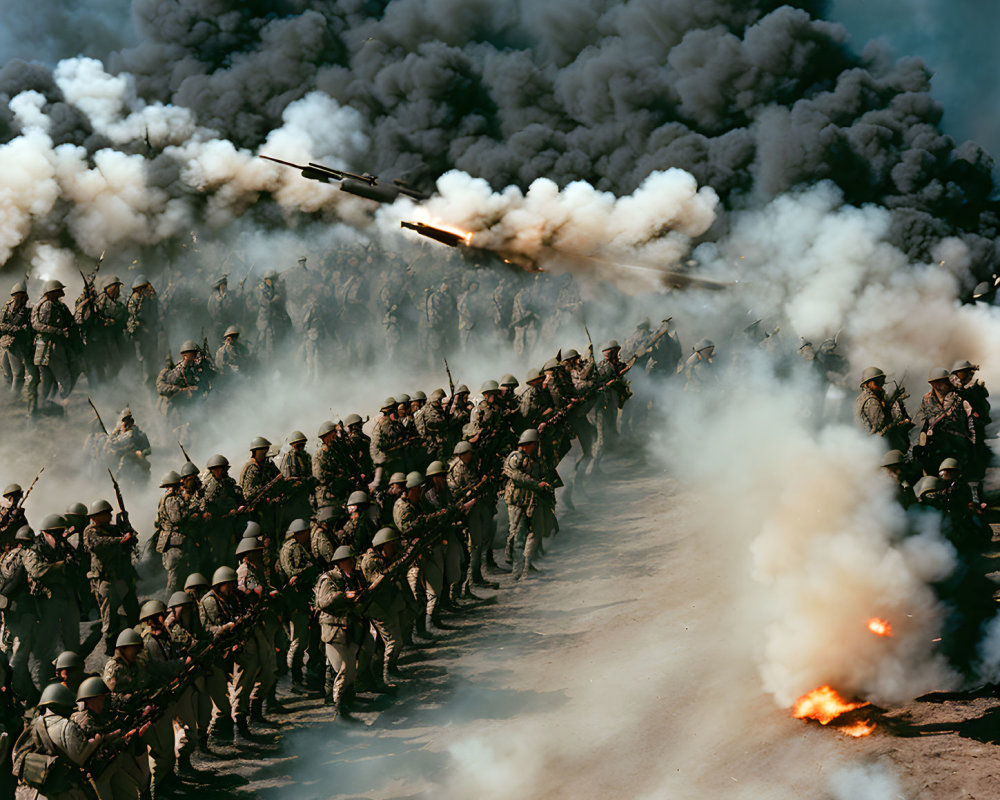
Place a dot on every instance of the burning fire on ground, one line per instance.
(825, 705)
(880, 627)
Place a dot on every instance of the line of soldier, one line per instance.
(327, 564)
(940, 473)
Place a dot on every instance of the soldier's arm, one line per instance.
(520, 478)
(330, 597)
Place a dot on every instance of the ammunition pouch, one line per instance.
(48, 774)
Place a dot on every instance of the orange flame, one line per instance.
(823, 705)
(880, 627)
(858, 729)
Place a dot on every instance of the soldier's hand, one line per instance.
(292, 579)
(544, 485)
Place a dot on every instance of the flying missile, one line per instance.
(364, 185)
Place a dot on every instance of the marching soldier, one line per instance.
(185, 382)
(699, 367)
(388, 604)
(342, 628)
(221, 497)
(233, 357)
(273, 322)
(220, 305)
(362, 522)
(296, 468)
(386, 442)
(432, 424)
(611, 399)
(254, 583)
(257, 474)
(529, 502)
(20, 614)
(974, 392)
(174, 540)
(300, 573)
(53, 358)
(106, 330)
(12, 517)
(49, 581)
(425, 578)
(881, 415)
(112, 576)
(946, 425)
(143, 324)
(129, 449)
(328, 469)
(463, 478)
(15, 338)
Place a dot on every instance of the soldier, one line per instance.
(387, 603)
(69, 670)
(53, 358)
(442, 320)
(388, 495)
(524, 320)
(221, 497)
(12, 517)
(300, 571)
(386, 441)
(946, 426)
(232, 357)
(273, 322)
(459, 411)
(974, 392)
(508, 400)
(314, 337)
(220, 305)
(463, 479)
(186, 382)
(357, 446)
(894, 463)
(257, 474)
(143, 325)
(328, 469)
(466, 312)
(341, 625)
(487, 418)
(173, 525)
(438, 496)
(432, 424)
(106, 333)
(535, 403)
(362, 522)
(53, 737)
(129, 448)
(19, 614)
(529, 501)
(326, 534)
(881, 415)
(296, 468)
(131, 679)
(426, 579)
(259, 596)
(699, 367)
(616, 391)
(15, 338)
(50, 583)
(112, 576)
(122, 776)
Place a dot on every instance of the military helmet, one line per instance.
(248, 544)
(52, 285)
(111, 280)
(959, 366)
(703, 344)
(329, 512)
(139, 281)
(892, 458)
(509, 380)
(397, 477)
(402, 399)
(92, 687)
(981, 290)
(296, 437)
(462, 448)
(384, 536)
(871, 374)
(18, 288)
(24, 534)
(414, 479)
(98, 507)
(419, 395)
(195, 580)
(190, 346)
(260, 443)
(232, 330)
(76, 510)
(489, 386)
(928, 483)
(612, 344)
(53, 522)
(328, 426)
(570, 354)
(528, 436)
(180, 599)
(352, 419)
(218, 460)
(57, 696)
(188, 469)
(128, 638)
(949, 463)
(462, 389)
(938, 374)
(533, 375)
(297, 526)
(219, 281)
(252, 529)
(151, 608)
(12, 488)
(358, 498)
(223, 575)
(550, 365)
(170, 479)
(389, 403)
(435, 468)
(437, 394)
(343, 552)
(68, 659)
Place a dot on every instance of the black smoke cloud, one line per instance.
(752, 98)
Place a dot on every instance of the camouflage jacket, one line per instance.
(946, 416)
(534, 402)
(15, 325)
(336, 609)
(160, 647)
(391, 599)
(323, 544)
(109, 314)
(143, 314)
(254, 477)
(358, 532)
(220, 497)
(124, 678)
(407, 518)
(431, 423)
(386, 436)
(46, 567)
(296, 560)
(296, 466)
(872, 413)
(110, 556)
(523, 474)
(461, 476)
(217, 611)
(173, 521)
(232, 357)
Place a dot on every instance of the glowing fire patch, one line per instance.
(880, 627)
(858, 729)
(823, 705)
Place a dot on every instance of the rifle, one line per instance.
(590, 341)
(123, 520)
(451, 388)
(89, 291)
(20, 503)
(647, 348)
(98, 414)
(187, 458)
(252, 502)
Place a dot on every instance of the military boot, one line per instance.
(242, 727)
(530, 547)
(273, 706)
(477, 579)
(222, 729)
(298, 686)
(257, 710)
(491, 563)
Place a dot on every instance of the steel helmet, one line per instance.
(76, 510)
(68, 659)
(139, 281)
(703, 344)
(570, 354)
(329, 512)
(180, 599)
(509, 380)
(232, 330)
(533, 375)
(949, 463)
(98, 507)
(389, 403)
(358, 498)
(128, 638)
(419, 395)
(248, 544)
(530, 435)
(297, 526)
(220, 280)
(92, 687)
(892, 458)
(53, 522)
(296, 437)
(343, 552)
(436, 395)
(329, 426)
(436, 468)
(195, 580)
(397, 477)
(24, 534)
(403, 398)
(613, 345)
(170, 479)
(223, 575)
(550, 365)
(384, 536)
(190, 346)
(57, 697)
(111, 280)
(414, 479)
(188, 469)
(958, 366)
(260, 443)
(352, 419)
(981, 290)
(18, 288)
(462, 389)
(462, 448)
(251, 530)
(217, 460)
(12, 488)
(52, 285)
(871, 374)
(938, 374)
(151, 608)
(928, 483)
(489, 386)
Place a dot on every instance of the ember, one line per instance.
(823, 705)
(880, 627)
(858, 729)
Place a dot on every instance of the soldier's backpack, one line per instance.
(49, 774)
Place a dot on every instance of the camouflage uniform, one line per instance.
(144, 328)
(53, 735)
(232, 357)
(873, 415)
(609, 402)
(253, 478)
(112, 576)
(296, 468)
(256, 588)
(341, 629)
(528, 505)
(386, 610)
(53, 357)
(106, 336)
(184, 384)
(128, 448)
(296, 562)
(479, 530)
(385, 441)
(161, 650)
(49, 581)
(15, 341)
(947, 429)
(19, 619)
(329, 473)
(523, 321)
(432, 425)
(174, 538)
(273, 322)
(699, 371)
(219, 500)
(427, 573)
